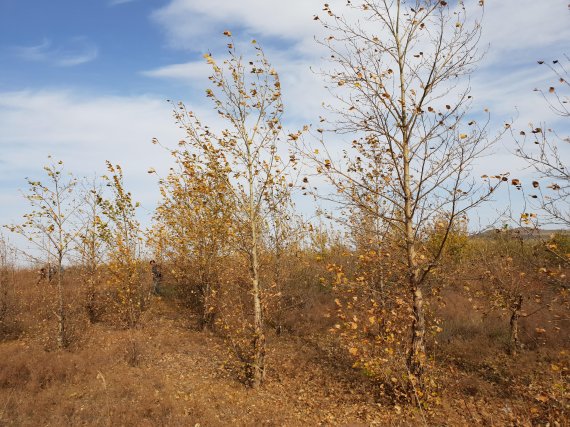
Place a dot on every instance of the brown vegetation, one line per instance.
(173, 373)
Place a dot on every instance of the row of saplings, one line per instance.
(369, 313)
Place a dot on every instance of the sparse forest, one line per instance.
(388, 306)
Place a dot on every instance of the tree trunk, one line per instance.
(416, 355)
(207, 310)
(278, 290)
(61, 332)
(514, 343)
(90, 303)
(258, 363)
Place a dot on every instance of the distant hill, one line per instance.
(522, 232)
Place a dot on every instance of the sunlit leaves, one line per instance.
(122, 235)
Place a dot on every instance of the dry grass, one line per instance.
(167, 372)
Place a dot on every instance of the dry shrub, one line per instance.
(37, 301)
(16, 374)
(373, 327)
(96, 303)
(234, 322)
(133, 353)
(34, 303)
(471, 386)
(461, 322)
(10, 327)
(300, 302)
(93, 292)
(35, 369)
(199, 298)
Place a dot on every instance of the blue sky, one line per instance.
(87, 80)
(90, 45)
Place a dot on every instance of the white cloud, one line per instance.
(75, 51)
(77, 59)
(510, 95)
(521, 29)
(186, 20)
(83, 131)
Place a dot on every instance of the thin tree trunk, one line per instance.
(258, 365)
(61, 332)
(90, 298)
(208, 309)
(416, 355)
(278, 289)
(514, 325)
(207, 315)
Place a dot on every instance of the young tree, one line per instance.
(399, 78)
(50, 228)
(506, 282)
(247, 96)
(284, 234)
(121, 233)
(193, 221)
(90, 247)
(513, 277)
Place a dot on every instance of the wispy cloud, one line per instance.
(88, 55)
(118, 2)
(34, 53)
(186, 72)
(75, 51)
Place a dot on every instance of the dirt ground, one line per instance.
(168, 373)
